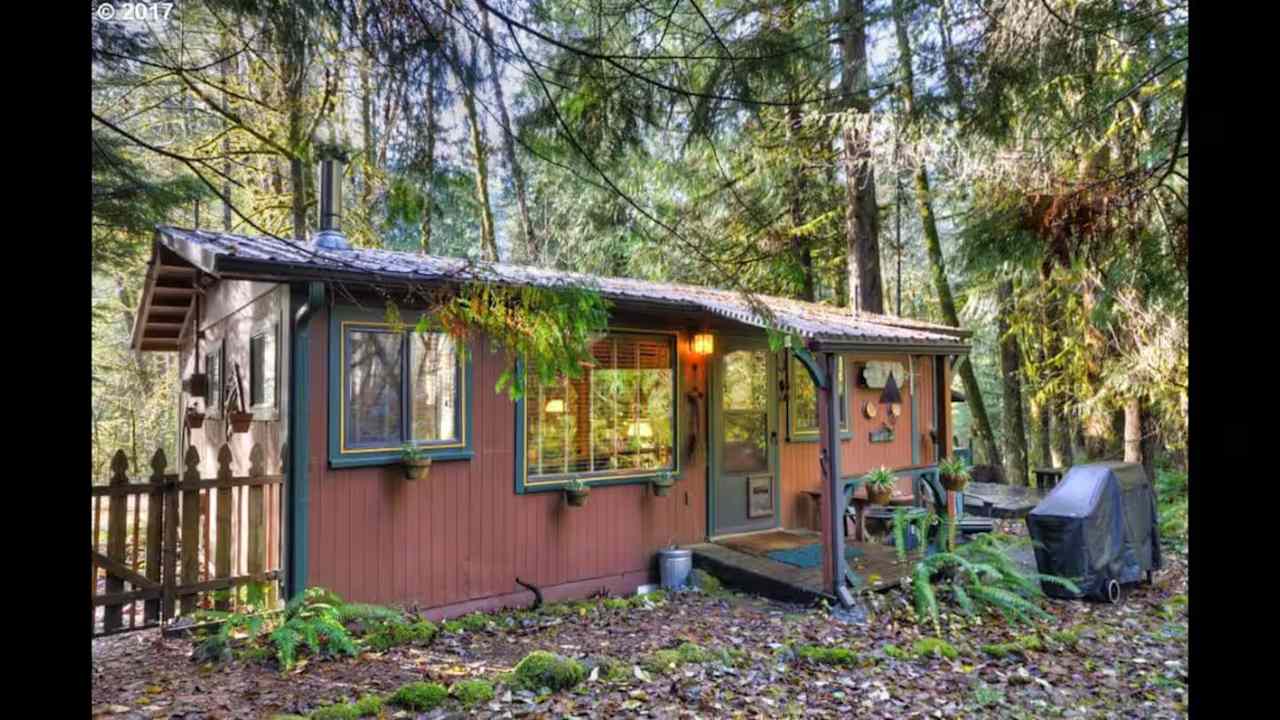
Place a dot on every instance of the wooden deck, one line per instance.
(741, 562)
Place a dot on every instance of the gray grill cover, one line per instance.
(1099, 523)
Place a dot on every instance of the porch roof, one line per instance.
(823, 326)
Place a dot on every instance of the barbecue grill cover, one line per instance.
(1098, 523)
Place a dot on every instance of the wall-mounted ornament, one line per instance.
(876, 373)
(869, 409)
(883, 435)
(895, 409)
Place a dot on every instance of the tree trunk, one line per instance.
(1015, 431)
(862, 224)
(1044, 452)
(480, 150)
(293, 71)
(801, 248)
(1063, 453)
(429, 161)
(508, 143)
(933, 243)
(1133, 430)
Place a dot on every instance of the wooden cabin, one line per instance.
(296, 334)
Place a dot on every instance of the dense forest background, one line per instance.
(1017, 167)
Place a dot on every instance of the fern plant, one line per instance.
(313, 620)
(982, 576)
(921, 519)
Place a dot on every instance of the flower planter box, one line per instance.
(240, 421)
(953, 484)
(577, 498)
(417, 469)
(880, 496)
(195, 419)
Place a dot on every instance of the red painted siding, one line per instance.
(458, 540)
(798, 462)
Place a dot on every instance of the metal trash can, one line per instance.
(674, 566)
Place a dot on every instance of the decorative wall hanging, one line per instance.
(883, 435)
(869, 409)
(876, 373)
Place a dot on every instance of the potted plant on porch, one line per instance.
(415, 461)
(576, 492)
(195, 418)
(662, 483)
(953, 473)
(879, 484)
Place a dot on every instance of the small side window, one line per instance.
(263, 362)
(213, 366)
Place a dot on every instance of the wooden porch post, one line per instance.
(832, 485)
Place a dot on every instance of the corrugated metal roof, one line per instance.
(220, 253)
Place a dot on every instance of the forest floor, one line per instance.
(1127, 660)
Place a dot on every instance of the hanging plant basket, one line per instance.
(195, 418)
(577, 498)
(662, 487)
(880, 495)
(417, 469)
(954, 483)
(196, 385)
(240, 421)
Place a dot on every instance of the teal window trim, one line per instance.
(601, 478)
(345, 317)
(793, 368)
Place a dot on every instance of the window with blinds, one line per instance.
(616, 419)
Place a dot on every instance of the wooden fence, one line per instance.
(181, 543)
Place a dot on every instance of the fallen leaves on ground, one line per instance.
(1127, 660)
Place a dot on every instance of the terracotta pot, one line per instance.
(880, 496)
(240, 421)
(577, 498)
(661, 489)
(417, 469)
(195, 419)
(954, 484)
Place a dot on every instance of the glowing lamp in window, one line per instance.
(554, 406)
(703, 344)
(642, 429)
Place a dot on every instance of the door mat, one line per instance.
(809, 556)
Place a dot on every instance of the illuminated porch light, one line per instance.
(703, 344)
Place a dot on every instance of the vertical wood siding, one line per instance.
(462, 536)
(798, 462)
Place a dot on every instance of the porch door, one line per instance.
(744, 481)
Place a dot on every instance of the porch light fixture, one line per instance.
(703, 344)
(554, 406)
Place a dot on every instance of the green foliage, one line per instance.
(705, 581)
(1173, 505)
(653, 597)
(541, 669)
(881, 477)
(420, 696)
(474, 622)
(953, 467)
(936, 647)
(216, 645)
(895, 652)
(661, 661)
(383, 635)
(695, 653)
(367, 706)
(549, 330)
(472, 692)
(1068, 637)
(984, 576)
(617, 603)
(919, 518)
(412, 453)
(823, 655)
(312, 621)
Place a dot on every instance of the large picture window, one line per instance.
(395, 387)
(616, 420)
(802, 401)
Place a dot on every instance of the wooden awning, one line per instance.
(168, 302)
